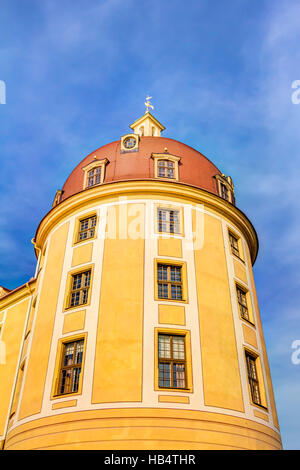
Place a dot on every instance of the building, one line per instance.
(141, 328)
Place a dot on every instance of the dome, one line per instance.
(194, 168)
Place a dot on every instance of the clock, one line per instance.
(129, 142)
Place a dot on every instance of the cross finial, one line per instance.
(148, 104)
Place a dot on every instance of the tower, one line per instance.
(141, 328)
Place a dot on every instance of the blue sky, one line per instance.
(220, 74)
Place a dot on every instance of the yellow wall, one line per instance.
(12, 335)
(143, 429)
(39, 354)
(119, 347)
(265, 357)
(221, 376)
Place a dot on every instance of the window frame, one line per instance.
(259, 379)
(168, 222)
(171, 361)
(245, 290)
(223, 181)
(91, 166)
(69, 367)
(183, 283)
(188, 359)
(69, 283)
(169, 207)
(79, 231)
(78, 221)
(167, 157)
(135, 148)
(58, 361)
(242, 302)
(240, 255)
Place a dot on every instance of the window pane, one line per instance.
(178, 347)
(176, 273)
(164, 376)
(178, 375)
(75, 379)
(79, 352)
(77, 281)
(69, 352)
(176, 292)
(163, 291)
(162, 272)
(164, 346)
(75, 298)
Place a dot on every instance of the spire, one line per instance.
(147, 125)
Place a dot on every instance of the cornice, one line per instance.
(17, 294)
(151, 188)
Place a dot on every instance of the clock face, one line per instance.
(130, 142)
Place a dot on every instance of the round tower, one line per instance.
(143, 328)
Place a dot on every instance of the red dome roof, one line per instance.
(194, 168)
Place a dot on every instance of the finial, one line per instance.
(148, 104)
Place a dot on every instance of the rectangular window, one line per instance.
(94, 176)
(242, 302)
(169, 279)
(80, 288)
(224, 192)
(70, 368)
(171, 361)
(166, 169)
(253, 378)
(234, 245)
(87, 228)
(168, 221)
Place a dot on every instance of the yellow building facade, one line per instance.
(141, 328)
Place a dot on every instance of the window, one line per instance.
(171, 361)
(224, 192)
(57, 198)
(242, 302)
(234, 245)
(169, 279)
(94, 172)
(70, 368)
(87, 228)
(225, 188)
(166, 166)
(80, 288)
(253, 378)
(166, 169)
(94, 176)
(168, 220)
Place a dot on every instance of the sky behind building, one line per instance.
(76, 75)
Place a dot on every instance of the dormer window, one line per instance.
(166, 166)
(57, 198)
(94, 173)
(225, 188)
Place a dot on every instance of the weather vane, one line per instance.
(148, 104)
